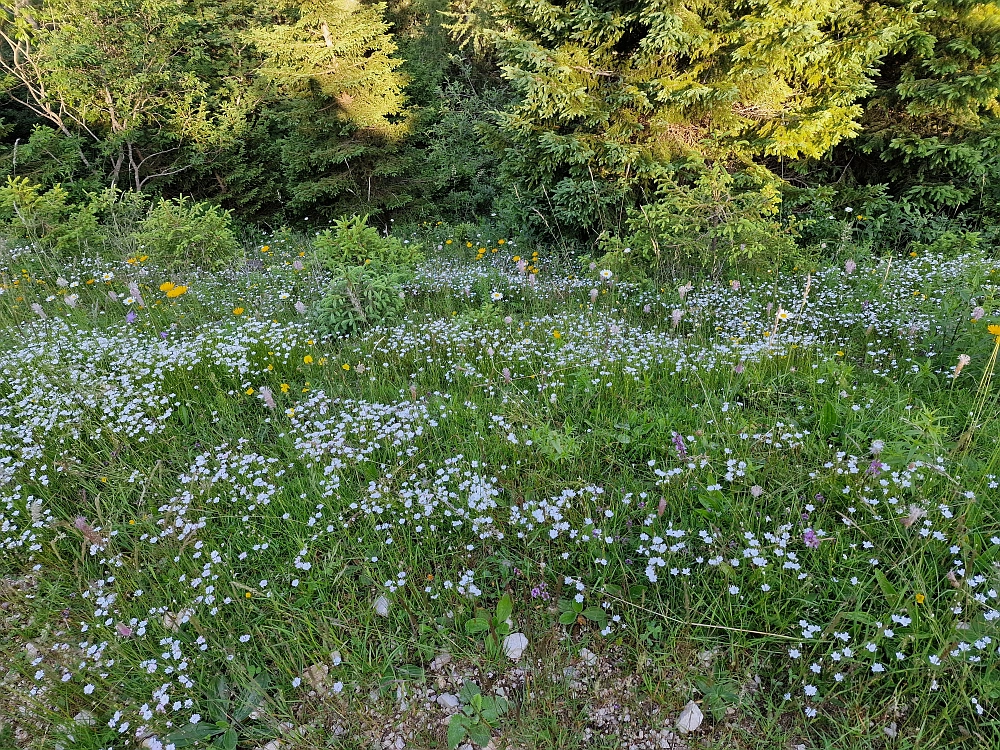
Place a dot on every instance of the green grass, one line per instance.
(472, 437)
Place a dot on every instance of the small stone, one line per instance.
(690, 718)
(514, 645)
(588, 657)
(447, 700)
(439, 661)
(381, 606)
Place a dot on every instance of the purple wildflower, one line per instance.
(130, 316)
(810, 539)
(679, 445)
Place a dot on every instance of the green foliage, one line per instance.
(351, 242)
(48, 217)
(720, 691)
(331, 68)
(230, 712)
(573, 612)
(181, 232)
(932, 120)
(478, 716)
(614, 98)
(360, 297)
(711, 225)
(496, 626)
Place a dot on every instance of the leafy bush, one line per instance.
(181, 232)
(712, 225)
(352, 242)
(47, 217)
(359, 298)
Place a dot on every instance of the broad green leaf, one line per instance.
(188, 735)
(505, 608)
(480, 734)
(476, 625)
(457, 730)
(468, 691)
(228, 740)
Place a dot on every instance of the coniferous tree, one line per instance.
(332, 67)
(933, 121)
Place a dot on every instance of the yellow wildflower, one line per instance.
(237, 311)
(921, 598)
(308, 359)
(166, 286)
(177, 291)
(345, 367)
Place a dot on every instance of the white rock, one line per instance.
(440, 661)
(447, 700)
(690, 718)
(381, 606)
(514, 645)
(86, 718)
(272, 745)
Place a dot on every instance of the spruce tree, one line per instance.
(615, 97)
(331, 64)
(932, 121)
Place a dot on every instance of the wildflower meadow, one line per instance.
(543, 506)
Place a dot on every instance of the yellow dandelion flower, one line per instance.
(308, 359)
(556, 335)
(166, 286)
(237, 311)
(177, 291)
(994, 329)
